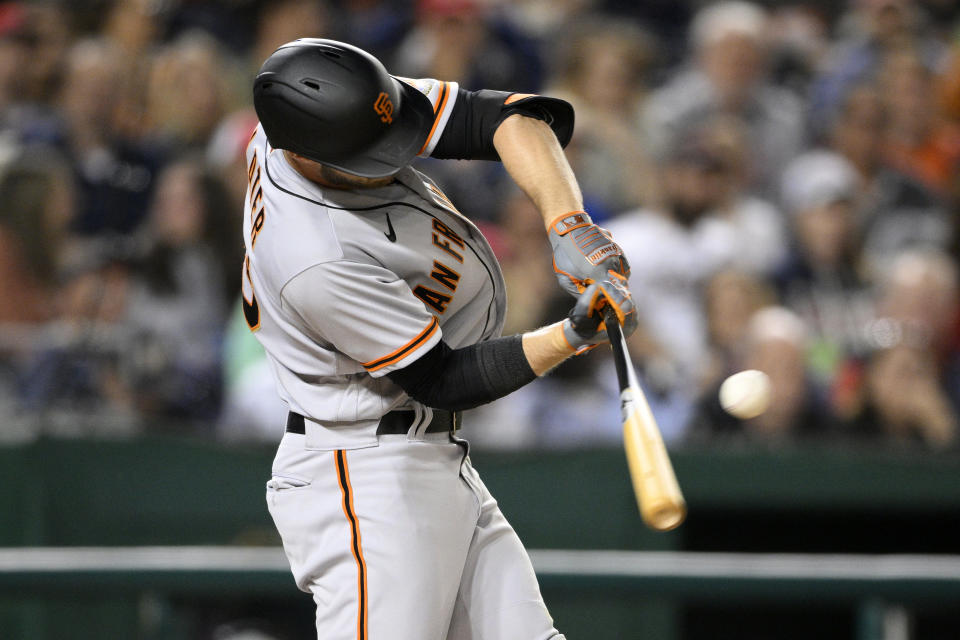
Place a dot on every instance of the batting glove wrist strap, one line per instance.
(583, 253)
(584, 326)
(578, 343)
(570, 221)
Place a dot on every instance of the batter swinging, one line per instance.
(380, 308)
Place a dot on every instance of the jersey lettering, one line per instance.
(451, 236)
(448, 232)
(445, 245)
(445, 275)
(257, 212)
(252, 169)
(257, 225)
(433, 299)
(251, 309)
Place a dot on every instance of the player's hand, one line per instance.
(583, 253)
(584, 326)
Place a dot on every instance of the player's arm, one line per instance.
(533, 157)
(527, 133)
(583, 253)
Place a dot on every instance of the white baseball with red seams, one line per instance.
(746, 394)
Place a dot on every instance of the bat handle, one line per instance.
(619, 346)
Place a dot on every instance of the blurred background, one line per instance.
(784, 177)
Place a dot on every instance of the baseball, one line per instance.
(746, 394)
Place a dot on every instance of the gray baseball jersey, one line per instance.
(344, 286)
(393, 534)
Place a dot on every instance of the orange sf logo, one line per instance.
(384, 107)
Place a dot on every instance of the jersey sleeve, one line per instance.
(464, 121)
(366, 312)
(443, 96)
(477, 115)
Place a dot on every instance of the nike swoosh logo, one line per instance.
(390, 233)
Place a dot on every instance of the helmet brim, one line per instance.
(404, 140)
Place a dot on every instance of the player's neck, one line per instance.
(332, 178)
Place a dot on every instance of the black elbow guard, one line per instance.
(477, 114)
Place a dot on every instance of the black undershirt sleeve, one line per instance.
(458, 379)
(468, 134)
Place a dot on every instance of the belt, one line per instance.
(395, 422)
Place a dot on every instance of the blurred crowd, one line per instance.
(784, 178)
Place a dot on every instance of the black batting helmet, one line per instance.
(337, 105)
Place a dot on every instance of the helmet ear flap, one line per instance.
(340, 108)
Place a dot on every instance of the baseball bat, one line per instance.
(654, 482)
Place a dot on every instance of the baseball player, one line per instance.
(380, 308)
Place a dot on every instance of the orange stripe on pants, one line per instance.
(343, 477)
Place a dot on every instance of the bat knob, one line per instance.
(665, 516)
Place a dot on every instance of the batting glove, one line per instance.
(584, 327)
(584, 253)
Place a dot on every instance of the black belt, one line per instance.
(395, 422)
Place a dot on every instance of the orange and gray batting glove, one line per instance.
(584, 327)
(583, 253)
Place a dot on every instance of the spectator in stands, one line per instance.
(822, 281)
(132, 26)
(466, 42)
(54, 360)
(775, 343)
(545, 20)
(731, 297)
(48, 32)
(674, 249)
(377, 26)
(947, 87)
(125, 86)
(190, 88)
(73, 383)
(798, 35)
(525, 259)
(902, 402)
(866, 34)
(921, 289)
(918, 141)
(228, 23)
(757, 221)
(176, 306)
(15, 43)
(919, 298)
(602, 70)
(38, 203)
(703, 224)
(114, 174)
(728, 76)
(282, 21)
(895, 212)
